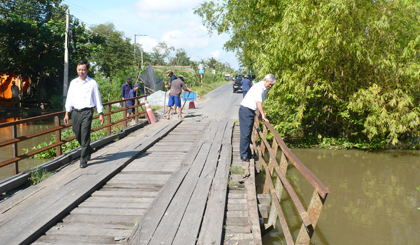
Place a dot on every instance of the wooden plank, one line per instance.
(136, 187)
(94, 229)
(144, 231)
(112, 211)
(127, 177)
(69, 239)
(118, 199)
(169, 224)
(253, 215)
(122, 205)
(188, 230)
(102, 219)
(33, 221)
(212, 227)
(124, 193)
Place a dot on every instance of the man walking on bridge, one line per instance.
(253, 101)
(82, 96)
(177, 86)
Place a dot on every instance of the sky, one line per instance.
(173, 22)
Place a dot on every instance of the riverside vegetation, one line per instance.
(348, 71)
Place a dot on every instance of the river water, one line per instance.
(6, 152)
(374, 197)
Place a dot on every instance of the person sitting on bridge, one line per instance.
(82, 96)
(132, 94)
(253, 101)
(246, 85)
(175, 96)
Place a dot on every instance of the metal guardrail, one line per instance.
(58, 128)
(310, 216)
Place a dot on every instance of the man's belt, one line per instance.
(84, 109)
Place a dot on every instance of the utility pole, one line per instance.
(136, 50)
(66, 60)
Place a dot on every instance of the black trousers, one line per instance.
(82, 123)
(246, 120)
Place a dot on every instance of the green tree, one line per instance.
(115, 53)
(181, 58)
(32, 36)
(161, 53)
(346, 68)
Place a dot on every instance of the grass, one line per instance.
(236, 169)
(68, 146)
(207, 87)
(233, 184)
(39, 175)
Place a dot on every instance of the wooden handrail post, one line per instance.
(136, 110)
(108, 108)
(125, 114)
(314, 210)
(15, 150)
(57, 136)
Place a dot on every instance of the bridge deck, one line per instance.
(173, 193)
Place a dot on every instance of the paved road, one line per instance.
(220, 103)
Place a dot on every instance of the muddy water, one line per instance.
(374, 197)
(6, 152)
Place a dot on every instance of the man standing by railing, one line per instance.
(253, 101)
(125, 90)
(82, 96)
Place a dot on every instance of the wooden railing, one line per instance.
(310, 216)
(58, 127)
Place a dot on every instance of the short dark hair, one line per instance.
(83, 62)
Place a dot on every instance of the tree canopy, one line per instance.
(346, 69)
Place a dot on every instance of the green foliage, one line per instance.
(115, 53)
(71, 145)
(346, 69)
(38, 175)
(236, 169)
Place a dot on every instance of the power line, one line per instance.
(99, 17)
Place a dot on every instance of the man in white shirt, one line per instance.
(82, 96)
(253, 101)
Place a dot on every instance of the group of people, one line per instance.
(83, 95)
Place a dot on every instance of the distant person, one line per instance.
(170, 74)
(246, 85)
(125, 89)
(15, 94)
(253, 101)
(82, 96)
(175, 96)
(132, 94)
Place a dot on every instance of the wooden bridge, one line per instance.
(171, 182)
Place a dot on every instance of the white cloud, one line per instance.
(215, 54)
(155, 8)
(147, 43)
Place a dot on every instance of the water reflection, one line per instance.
(6, 152)
(374, 198)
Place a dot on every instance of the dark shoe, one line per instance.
(255, 157)
(83, 165)
(245, 159)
